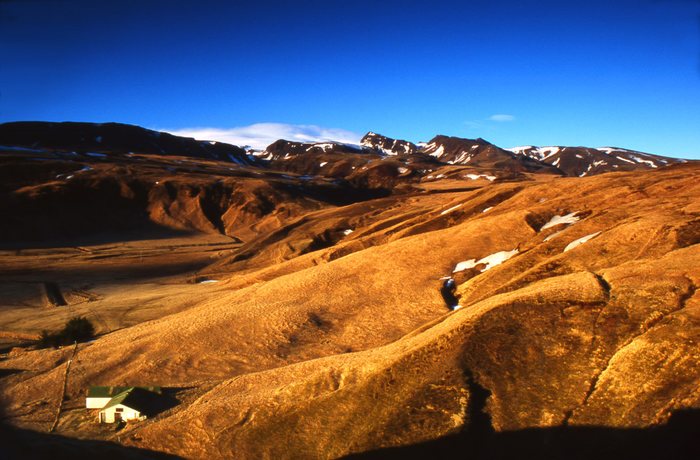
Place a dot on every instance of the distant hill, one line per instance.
(114, 138)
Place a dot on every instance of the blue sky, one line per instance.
(598, 73)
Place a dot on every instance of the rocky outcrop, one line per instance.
(479, 152)
(284, 150)
(387, 145)
(585, 161)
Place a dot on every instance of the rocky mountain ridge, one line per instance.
(115, 138)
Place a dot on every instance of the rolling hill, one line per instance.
(389, 300)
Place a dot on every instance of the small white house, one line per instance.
(98, 397)
(122, 403)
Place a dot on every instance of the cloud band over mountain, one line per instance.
(260, 135)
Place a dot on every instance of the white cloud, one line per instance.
(502, 117)
(260, 135)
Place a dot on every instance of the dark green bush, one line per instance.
(78, 329)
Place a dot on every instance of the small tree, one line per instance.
(48, 340)
(77, 329)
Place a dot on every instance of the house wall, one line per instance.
(107, 415)
(96, 403)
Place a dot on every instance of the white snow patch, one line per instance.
(322, 164)
(439, 176)
(552, 236)
(96, 155)
(477, 176)
(640, 160)
(208, 281)
(548, 151)
(439, 152)
(558, 220)
(449, 210)
(521, 148)
(538, 153)
(624, 159)
(464, 265)
(580, 241)
(490, 261)
(609, 150)
(348, 231)
(325, 147)
(402, 170)
(487, 209)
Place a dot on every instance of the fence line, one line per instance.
(63, 391)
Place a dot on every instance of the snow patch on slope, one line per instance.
(558, 220)
(477, 176)
(491, 261)
(449, 210)
(580, 241)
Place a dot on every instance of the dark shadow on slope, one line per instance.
(90, 237)
(8, 372)
(678, 439)
(53, 294)
(340, 193)
(93, 274)
(448, 289)
(21, 444)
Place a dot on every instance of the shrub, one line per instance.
(78, 329)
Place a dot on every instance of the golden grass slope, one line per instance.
(351, 348)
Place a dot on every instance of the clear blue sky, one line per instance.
(598, 73)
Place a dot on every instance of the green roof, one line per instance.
(135, 398)
(110, 392)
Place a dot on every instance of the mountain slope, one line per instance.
(584, 161)
(387, 145)
(114, 138)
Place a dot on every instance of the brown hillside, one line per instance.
(327, 334)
